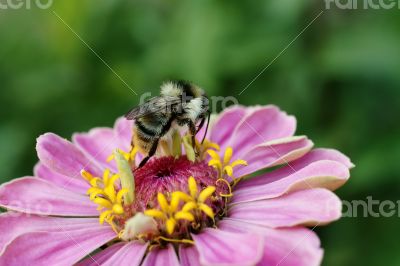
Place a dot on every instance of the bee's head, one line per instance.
(171, 89)
(193, 99)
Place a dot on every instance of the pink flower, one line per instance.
(175, 210)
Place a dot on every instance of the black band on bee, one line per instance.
(144, 130)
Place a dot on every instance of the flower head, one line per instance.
(87, 202)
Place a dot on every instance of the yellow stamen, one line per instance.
(120, 195)
(183, 196)
(118, 209)
(229, 187)
(112, 180)
(228, 170)
(189, 206)
(194, 201)
(228, 155)
(95, 181)
(226, 196)
(103, 193)
(106, 175)
(216, 164)
(155, 214)
(239, 162)
(110, 192)
(103, 203)
(170, 225)
(182, 215)
(206, 193)
(171, 212)
(94, 191)
(207, 210)
(224, 167)
(192, 187)
(210, 145)
(86, 175)
(205, 146)
(104, 215)
(214, 155)
(175, 199)
(162, 201)
(183, 241)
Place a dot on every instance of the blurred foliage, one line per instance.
(340, 79)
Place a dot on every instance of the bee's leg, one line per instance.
(193, 132)
(203, 120)
(208, 124)
(152, 151)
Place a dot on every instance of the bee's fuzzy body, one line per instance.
(180, 104)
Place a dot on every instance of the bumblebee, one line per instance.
(180, 104)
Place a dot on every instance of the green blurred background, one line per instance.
(340, 79)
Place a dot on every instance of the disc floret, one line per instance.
(105, 194)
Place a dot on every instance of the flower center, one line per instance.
(167, 174)
(170, 197)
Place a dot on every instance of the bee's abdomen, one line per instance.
(143, 137)
(147, 131)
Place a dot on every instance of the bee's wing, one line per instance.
(159, 104)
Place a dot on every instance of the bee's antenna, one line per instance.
(208, 123)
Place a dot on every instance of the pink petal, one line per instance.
(62, 156)
(162, 257)
(74, 184)
(218, 247)
(102, 256)
(14, 224)
(226, 122)
(296, 246)
(261, 125)
(189, 256)
(130, 253)
(307, 207)
(38, 196)
(123, 130)
(98, 145)
(324, 154)
(64, 247)
(297, 165)
(321, 174)
(273, 153)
